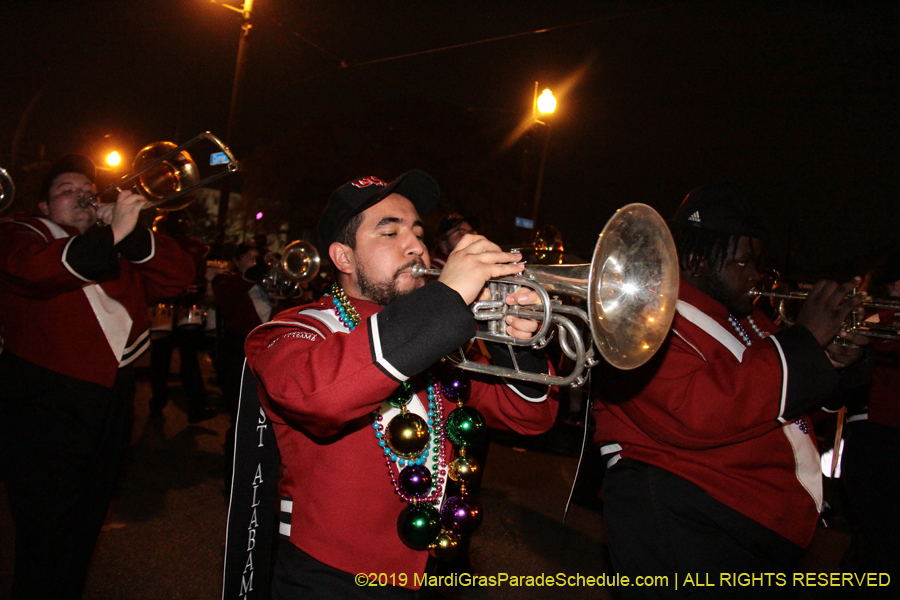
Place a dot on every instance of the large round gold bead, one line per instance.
(446, 546)
(464, 470)
(407, 435)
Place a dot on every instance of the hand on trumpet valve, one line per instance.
(474, 262)
(122, 215)
(827, 307)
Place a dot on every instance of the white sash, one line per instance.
(113, 318)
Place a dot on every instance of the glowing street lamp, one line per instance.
(113, 159)
(546, 102)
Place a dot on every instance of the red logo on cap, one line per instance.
(367, 181)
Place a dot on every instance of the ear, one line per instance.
(696, 272)
(343, 257)
(44, 207)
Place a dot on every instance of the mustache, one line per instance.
(409, 265)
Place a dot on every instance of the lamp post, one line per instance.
(235, 106)
(544, 104)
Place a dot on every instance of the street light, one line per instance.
(113, 159)
(544, 104)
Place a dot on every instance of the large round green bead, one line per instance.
(401, 396)
(465, 426)
(407, 434)
(419, 525)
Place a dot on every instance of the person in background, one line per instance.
(75, 283)
(449, 232)
(188, 338)
(871, 460)
(241, 306)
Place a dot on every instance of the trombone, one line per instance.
(630, 288)
(164, 173)
(853, 322)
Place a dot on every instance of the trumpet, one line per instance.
(298, 264)
(853, 323)
(165, 173)
(630, 288)
(7, 190)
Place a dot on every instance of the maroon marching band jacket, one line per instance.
(232, 293)
(76, 304)
(724, 416)
(320, 384)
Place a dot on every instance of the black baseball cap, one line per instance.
(71, 163)
(720, 207)
(356, 196)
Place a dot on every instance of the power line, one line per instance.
(343, 64)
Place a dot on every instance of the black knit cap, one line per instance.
(72, 163)
(720, 207)
(356, 196)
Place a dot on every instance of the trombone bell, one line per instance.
(160, 179)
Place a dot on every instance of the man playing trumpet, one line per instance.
(362, 412)
(713, 464)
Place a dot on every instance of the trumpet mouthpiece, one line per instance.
(421, 271)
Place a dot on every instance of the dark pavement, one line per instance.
(164, 536)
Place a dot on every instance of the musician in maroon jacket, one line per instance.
(713, 466)
(342, 378)
(73, 307)
(871, 461)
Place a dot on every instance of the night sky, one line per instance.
(796, 101)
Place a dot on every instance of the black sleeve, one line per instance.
(137, 245)
(418, 329)
(811, 378)
(528, 360)
(92, 255)
(854, 385)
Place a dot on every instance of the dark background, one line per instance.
(797, 101)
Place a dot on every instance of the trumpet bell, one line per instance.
(163, 179)
(300, 261)
(632, 286)
(298, 264)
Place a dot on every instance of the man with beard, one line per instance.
(73, 310)
(360, 415)
(713, 465)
